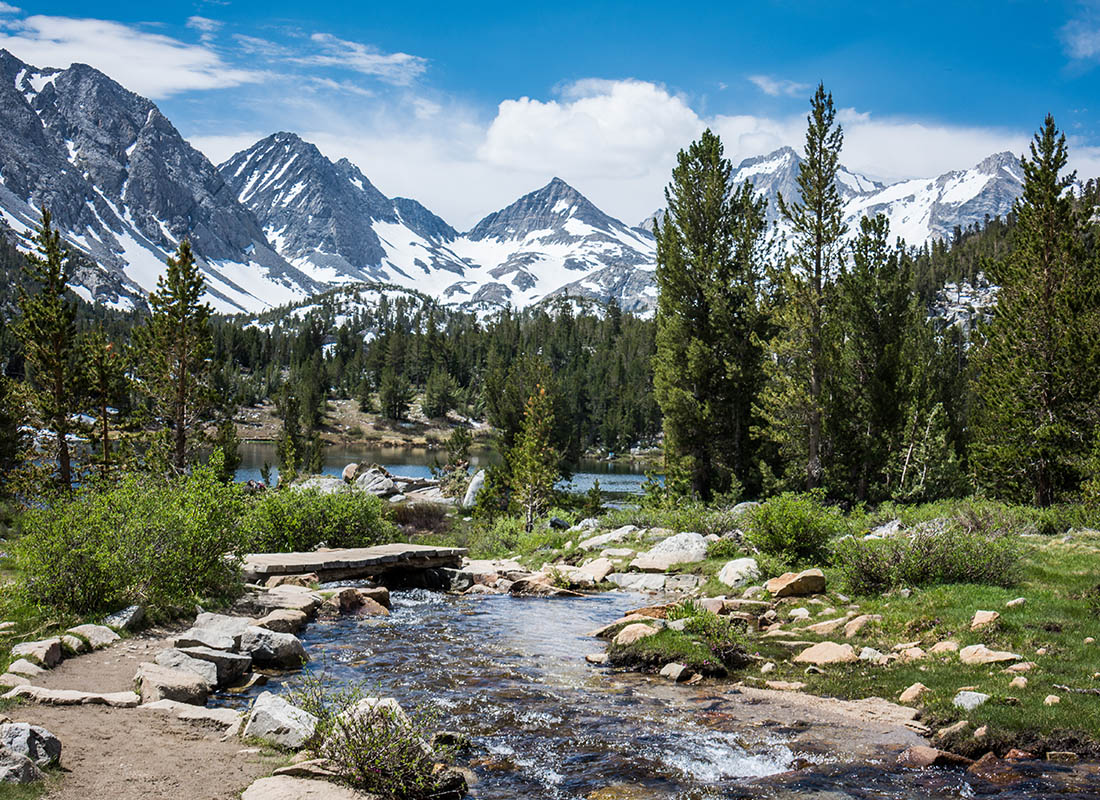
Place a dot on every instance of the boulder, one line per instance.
(617, 535)
(913, 693)
(287, 596)
(1019, 682)
(922, 756)
(635, 582)
(797, 584)
(1017, 603)
(283, 620)
(682, 583)
(477, 483)
(25, 668)
(598, 569)
(37, 744)
(72, 697)
(479, 588)
(288, 787)
(98, 636)
(827, 626)
(230, 666)
(275, 720)
(983, 619)
(946, 646)
(968, 701)
(46, 653)
(994, 770)
(165, 683)
(827, 653)
(574, 577)
(206, 637)
(1052, 700)
(349, 472)
(306, 580)
(10, 680)
(857, 624)
(785, 686)
(320, 483)
(273, 649)
(218, 717)
(128, 619)
(739, 572)
(980, 654)
(17, 768)
(173, 658)
(223, 624)
(633, 633)
(683, 548)
(872, 655)
(379, 594)
(677, 673)
(74, 644)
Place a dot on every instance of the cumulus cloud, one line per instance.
(150, 64)
(5, 8)
(400, 69)
(776, 87)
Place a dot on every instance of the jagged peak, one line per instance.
(998, 161)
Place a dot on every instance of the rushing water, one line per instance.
(510, 673)
(416, 462)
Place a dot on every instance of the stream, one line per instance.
(510, 673)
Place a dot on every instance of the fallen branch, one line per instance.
(1075, 690)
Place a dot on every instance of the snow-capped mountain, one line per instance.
(329, 221)
(124, 187)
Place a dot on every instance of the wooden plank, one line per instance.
(368, 560)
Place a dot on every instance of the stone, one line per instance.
(913, 693)
(800, 613)
(283, 620)
(826, 653)
(677, 673)
(165, 683)
(797, 584)
(682, 583)
(946, 646)
(369, 607)
(968, 701)
(1052, 700)
(379, 594)
(46, 653)
(1063, 757)
(1019, 682)
(857, 624)
(219, 717)
(633, 633)
(305, 580)
(206, 637)
(349, 472)
(739, 572)
(230, 666)
(922, 757)
(872, 655)
(17, 768)
(73, 697)
(9, 681)
(616, 552)
(37, 744)
(615, 536)
(598, 569)
(224, 625)
(274, 720)
(825, 627)
(753, 592)
(768, 668)
(25, 668)
(131, 618)
(785, 686)
(1019, 601)
(74, 645)
(376, 482)
(912, 654)
(273, 649)
(477, 483)
(983, 619)
(567, 574)
(1090, 640)
(479, 588)
(173, 658)
(980, 654)
(98, 636)
(636, 582)
(318, 768)
(289, 787)
(683, 548)
(596, 658)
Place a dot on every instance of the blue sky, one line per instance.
(466, 106)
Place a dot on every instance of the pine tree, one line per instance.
(708, 366)
(229, 444)
(1037, 366)
(439, 394)
(108, 386)
(47, 331)
(533, 460)
(395, 395)
(176, 344)
(13, 439)
(803, 347)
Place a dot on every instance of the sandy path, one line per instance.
(127, 753)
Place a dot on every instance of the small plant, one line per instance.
(683, 610)
(727, 548)
(593, 500)
(290, 520)
(798, 528)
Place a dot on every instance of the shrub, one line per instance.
(432, 517)
(797, 528)
(494, 539)
(933, 555)
(373, 746)
(708, 644)
(293, 520)
(141, 541)
(725, 548)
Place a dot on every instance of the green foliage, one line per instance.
(439, 394)
(373, 747)
(934, 555)
(708, 644)
(726, 549)
(708, 366)
(1038, 363)
(593, 501)
(13, 439)
(533, 460)
(175, 344)
(796, 527)
(161, 543)
(293, 520)
(228, 444)
(395, 395)
(108, 386)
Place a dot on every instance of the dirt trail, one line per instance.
(129, 753)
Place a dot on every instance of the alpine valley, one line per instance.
(279, 222)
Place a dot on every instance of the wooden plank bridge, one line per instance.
(354, 562)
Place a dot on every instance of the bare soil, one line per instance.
(130, 753)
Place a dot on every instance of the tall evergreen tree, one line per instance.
(803, 347)
(708, 363)
(1038, 363)
(107, 386)
(47, 331)
(533, 460)
(176, 344)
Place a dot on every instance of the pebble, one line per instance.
(1019, 601)
(1089, 640)
(767, 668)
(1019, 682)
(1052, 700)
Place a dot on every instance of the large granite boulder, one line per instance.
(46, 653)
(477, 483)
(274, 720)
(37, 744)
(165, 683)
(739, 572)
(97, 636)
(272, 649)
(797, 584)
(683, 548)
(17, 768)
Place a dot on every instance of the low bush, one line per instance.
(727, 548)
(160, 543)
(284, 521)
(686, 516)
(797, 528)
(708, 644)
(423, 517)
(949, 553)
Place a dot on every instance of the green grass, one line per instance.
(29, 791)
(653, 652)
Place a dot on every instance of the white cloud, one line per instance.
(1081, 38)
(5, 8)
(150, 64)
(205, 26)
(777, 86)
(400, 69)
